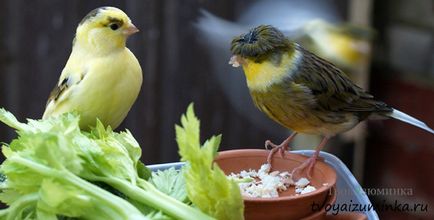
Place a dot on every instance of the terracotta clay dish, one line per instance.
(321, 214)
(288, 205)
(347, 216)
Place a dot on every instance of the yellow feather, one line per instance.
(262, 75)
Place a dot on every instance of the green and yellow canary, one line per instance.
(102, 77)
(303, 92)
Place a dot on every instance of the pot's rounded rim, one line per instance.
(320, 166)
(331, 199)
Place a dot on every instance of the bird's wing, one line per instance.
(61, 91)
(333, 90)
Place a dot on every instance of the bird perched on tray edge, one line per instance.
(303, 92)
(102, 77)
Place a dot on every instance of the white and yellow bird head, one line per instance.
(102, 25)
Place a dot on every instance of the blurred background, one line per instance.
(385, 46)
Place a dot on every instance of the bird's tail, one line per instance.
(410, 120)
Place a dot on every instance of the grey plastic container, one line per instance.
(349, 191)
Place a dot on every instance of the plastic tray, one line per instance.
(349, 191)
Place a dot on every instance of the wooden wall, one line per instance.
(35, 42)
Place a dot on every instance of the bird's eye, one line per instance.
(114, 26)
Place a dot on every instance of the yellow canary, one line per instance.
(303, 92)
(345, 45)
(102, 77)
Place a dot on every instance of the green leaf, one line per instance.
(207, 186)
(58, 197)
(143, 171)
(170, 182)
(10, 120)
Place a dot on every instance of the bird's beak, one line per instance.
(131, 29)
(237, 61)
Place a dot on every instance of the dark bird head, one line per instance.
(259, 43)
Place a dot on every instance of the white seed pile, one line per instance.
(266, 184)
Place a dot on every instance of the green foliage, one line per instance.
(207, 186)
(53, 170)
(170, 182)
(43, 168)
(52, 165)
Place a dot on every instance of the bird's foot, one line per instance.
(305, 169)
(281, 148)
